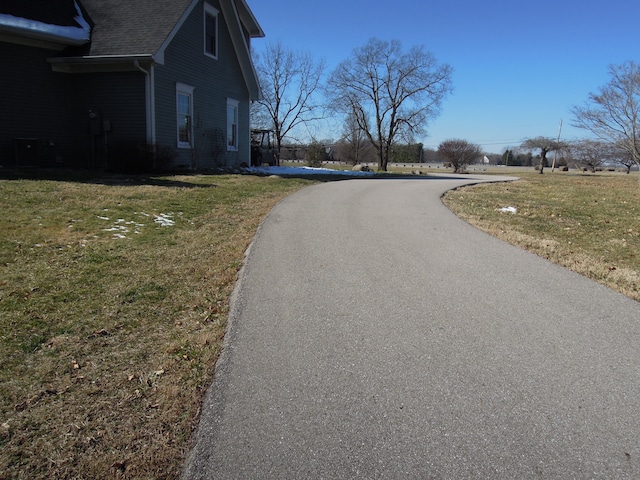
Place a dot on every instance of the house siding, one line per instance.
(93, 112)
(214, 81)
(34, 106)
(49, 111)
(117, 100)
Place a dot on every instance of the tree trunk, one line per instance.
(383, 152)
(543, 160)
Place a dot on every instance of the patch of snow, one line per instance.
(124, 226)
(83, 24)
(79, 34)
(306, 171)
(164, 220)
(117, 228)
(509, 210)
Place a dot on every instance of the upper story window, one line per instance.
(184, 110)
(210, 31)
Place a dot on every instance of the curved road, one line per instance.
(375, 335)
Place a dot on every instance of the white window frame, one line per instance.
(210, 11)
(232, 124)
(184, 90)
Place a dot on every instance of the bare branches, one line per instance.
(389, 92)
(289, 82)
(459, 153)
(591, 154)
(545, 145)
(613, 114)
(354, 140)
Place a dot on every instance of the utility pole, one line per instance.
(555, 152)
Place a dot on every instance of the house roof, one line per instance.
(248, 20)
(127, 28)
(116, 27)
(53, 23)
(132, 27)
(144, 27)
(53, 12)
(100, 32)
(239, 43)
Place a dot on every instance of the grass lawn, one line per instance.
(589, 223)
(113, 302)
(114, 297)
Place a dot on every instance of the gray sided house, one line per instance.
(126, 84)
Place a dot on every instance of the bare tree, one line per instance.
(590, 154)
(355, 141)
(613, 114)
(622, 157)
(289, 82)
(545, 145)
(390, 92)
(459, 153)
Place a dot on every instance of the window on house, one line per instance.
(210, 31)
(184, 109)
(232, 124)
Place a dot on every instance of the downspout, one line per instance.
(150, 101)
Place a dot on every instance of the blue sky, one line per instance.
(518, 66)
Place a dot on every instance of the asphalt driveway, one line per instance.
(375, 335)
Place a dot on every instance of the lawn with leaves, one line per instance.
(589, 223)
(113, 302)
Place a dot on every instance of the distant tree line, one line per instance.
(316, 152)
(386, 95)
(516, 159)
(343, 151)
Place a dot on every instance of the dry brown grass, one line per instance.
(588, 223)
(107, 344)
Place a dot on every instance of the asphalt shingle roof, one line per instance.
(131, 27)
